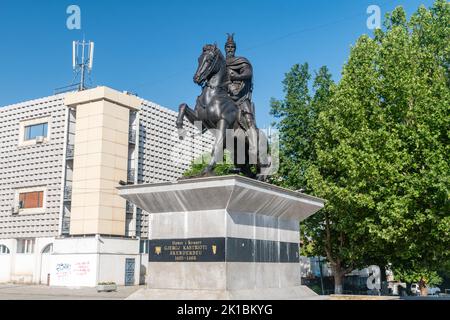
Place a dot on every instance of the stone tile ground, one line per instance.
(40, 292)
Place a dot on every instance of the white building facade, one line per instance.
(61, 159)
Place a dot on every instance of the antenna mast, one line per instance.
(82, 61)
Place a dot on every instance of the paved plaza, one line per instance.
(41, 292)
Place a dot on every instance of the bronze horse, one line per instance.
(214, 107)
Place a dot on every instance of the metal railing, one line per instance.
(130, 176)
(65, 226)
(67, 193)
(70, 152)
(69, 88)
(129, 207)
(132, 136)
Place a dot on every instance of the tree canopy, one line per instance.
(376, 147)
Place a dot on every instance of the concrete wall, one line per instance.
(223, 275)
(75, 262)
(100, 161)
(78, 262)
(6, 260)
(190, 275)
(241, 275)
(31, 165)
(194, 224)
(5, 268)
(74, 270)
(112, 268)
(22, 268)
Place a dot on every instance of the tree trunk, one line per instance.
(338, 280)
(423, 287)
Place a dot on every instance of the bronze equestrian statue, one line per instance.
(240, 88)
(225, 104)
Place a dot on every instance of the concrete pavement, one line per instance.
(40, 292)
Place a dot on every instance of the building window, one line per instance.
(4, 249)
(31, 200)
(36, 130)
(25, 246)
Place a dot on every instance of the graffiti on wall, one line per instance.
(78, 269)
(81, 268)
(63, 270)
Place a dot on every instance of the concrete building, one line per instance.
(61, 159)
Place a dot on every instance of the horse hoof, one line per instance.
(181, 133)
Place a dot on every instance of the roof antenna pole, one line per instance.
(84, 64)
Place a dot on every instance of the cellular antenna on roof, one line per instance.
(82, 63)
(82, 60)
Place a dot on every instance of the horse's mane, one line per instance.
(213, 48)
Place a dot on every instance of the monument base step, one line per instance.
(293, 293)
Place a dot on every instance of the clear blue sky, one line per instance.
(151, 47)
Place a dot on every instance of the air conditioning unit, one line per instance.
(15, 210)
(40, 139)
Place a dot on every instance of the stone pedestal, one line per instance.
(223, 237)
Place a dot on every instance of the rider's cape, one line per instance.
(237, 63)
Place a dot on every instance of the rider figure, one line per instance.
(240, 89)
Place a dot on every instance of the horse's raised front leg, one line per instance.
(181, 113)
(191, 115)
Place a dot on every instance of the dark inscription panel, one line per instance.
(213, 250)
(266, 251)
(240, 250)
(187, 250)
(289, 252)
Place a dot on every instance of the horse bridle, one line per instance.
(213, 65)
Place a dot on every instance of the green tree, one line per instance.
(376, 146)
(386, 138)
(198, 165)
(325, 233)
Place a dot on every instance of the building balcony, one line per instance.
(129, 207)
(70, 152)
(132, 136)
(130, 176)
(65, 226)
(67, 193)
